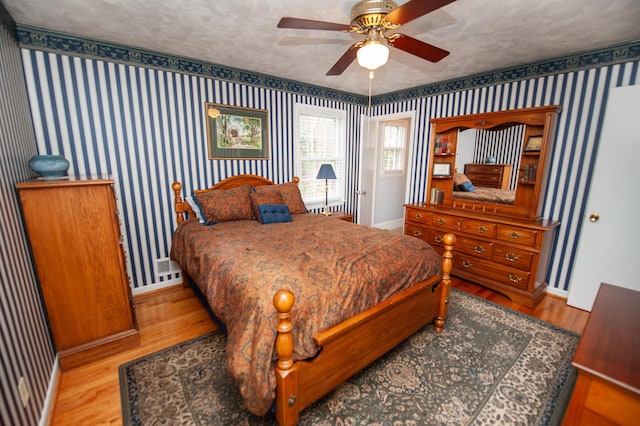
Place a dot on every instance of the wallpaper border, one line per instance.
(619, 53)
(46, 40)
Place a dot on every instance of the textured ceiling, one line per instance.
(482, 35)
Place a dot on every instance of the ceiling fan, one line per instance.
(374, 18)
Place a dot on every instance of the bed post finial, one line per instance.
(177, 201)
(286, 372)
(283, 301)
(449, 240)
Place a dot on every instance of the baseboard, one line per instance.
(562, 294)
(390, 224)
(157, 286)
(46, 416)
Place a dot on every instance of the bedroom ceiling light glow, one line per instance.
(373, 54)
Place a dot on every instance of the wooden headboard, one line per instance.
(184, 211)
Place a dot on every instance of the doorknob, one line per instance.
(594, 217)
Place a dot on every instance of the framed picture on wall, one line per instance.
(533, 143)
(236, 133)
(441, 170)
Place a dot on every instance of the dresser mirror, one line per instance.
(499, 161)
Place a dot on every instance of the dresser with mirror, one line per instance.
(487, 176)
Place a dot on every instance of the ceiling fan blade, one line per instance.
(308, 24)
(345, 60)
(417, 47)
(414, 9)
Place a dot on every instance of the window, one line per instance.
(394, 137)
(320, 137)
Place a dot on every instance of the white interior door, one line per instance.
(366, 180)
(607, 250)
(380, 198)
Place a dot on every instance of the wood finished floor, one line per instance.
(90, 395)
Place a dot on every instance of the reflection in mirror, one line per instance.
(489, 160)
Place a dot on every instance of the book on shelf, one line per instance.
(436, 196)
(529, 172)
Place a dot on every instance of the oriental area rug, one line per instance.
(490, 366)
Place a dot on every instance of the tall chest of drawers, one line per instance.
(489, 175)
(508, 255)
(74, 236)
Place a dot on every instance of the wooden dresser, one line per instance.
(75, 240)
(502, 240)
(607, 390)
(508, 255)
(489, 175)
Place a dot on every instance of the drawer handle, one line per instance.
(417, 233)
(441, 221)
(511, 257)
(438, 239)
(482, 229)
(515, 235)
(479, 249)
(418, 216)
(514, 278)
(467, 264)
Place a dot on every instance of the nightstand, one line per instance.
(347, 217)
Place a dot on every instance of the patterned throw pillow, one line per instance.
(292, 197)
(259, 198)
(290, 194)
(226, 204)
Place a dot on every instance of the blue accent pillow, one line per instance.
(467, 187)
(274, 213)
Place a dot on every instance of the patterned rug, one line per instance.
(490, 366)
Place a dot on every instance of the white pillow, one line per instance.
(196, 208)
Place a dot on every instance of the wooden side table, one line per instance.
(607, 390)
(347, 217)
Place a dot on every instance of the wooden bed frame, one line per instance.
(347, 347)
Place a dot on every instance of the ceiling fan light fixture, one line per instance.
(372, 55)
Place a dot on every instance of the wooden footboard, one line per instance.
(352, 345)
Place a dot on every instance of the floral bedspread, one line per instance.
(488, 195)
(335, 270)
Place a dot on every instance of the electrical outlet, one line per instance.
(24, 391)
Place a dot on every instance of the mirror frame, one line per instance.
(538, 121)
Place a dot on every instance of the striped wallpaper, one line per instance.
(25, 346)
(145, 127)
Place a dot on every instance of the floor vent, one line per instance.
(166, 266)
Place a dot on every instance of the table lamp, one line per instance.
(326, 172)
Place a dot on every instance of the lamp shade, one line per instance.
(326, 172)
(373, 55)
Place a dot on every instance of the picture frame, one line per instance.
(236, 133)
(534, 143)
(441, 169)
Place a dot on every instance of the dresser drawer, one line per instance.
(483, 168)
(481, 249)
(510, 256)
(486, 269)
(416, 231)
(515, 234)
(480, 178)
(418, 216)
(466, 225)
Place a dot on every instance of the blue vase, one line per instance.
(49, 166)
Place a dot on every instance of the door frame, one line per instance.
(371, 125)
